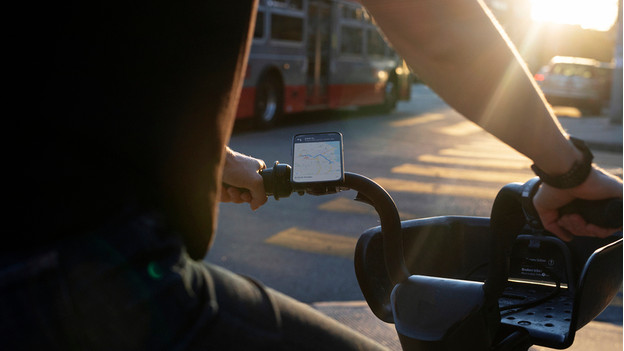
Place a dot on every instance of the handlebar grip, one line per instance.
(267, 180)
(277, 180)
(604, 213)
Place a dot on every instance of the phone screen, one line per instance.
(317, 158)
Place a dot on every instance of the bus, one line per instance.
(316, 55)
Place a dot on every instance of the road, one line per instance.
(431, 160)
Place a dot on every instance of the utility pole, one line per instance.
(615, 108)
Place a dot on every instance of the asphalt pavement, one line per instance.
(601, 134)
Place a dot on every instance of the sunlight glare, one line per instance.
(589, 14)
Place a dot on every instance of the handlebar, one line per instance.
(277, 184)
(509, 215)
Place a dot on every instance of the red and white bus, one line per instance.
(318, 54)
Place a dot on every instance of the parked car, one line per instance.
(575, 81)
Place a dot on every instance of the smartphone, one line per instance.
(317, 159)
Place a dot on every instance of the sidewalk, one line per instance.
(597, 132)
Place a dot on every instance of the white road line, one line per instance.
(462, 128)
(420, 119)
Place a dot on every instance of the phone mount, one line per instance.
(277, 183)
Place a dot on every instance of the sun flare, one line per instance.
(589, 14)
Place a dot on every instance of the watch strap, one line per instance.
(576, 175)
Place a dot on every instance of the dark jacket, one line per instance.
(119, 102)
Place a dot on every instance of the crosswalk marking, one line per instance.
(506, 164)
(462, 128)
(421, 119)
(345, 205)
(484, 153)
(487, 161)
(461, 173)
(501, 167)
(313, 241)
(492, 146)
(438, 189)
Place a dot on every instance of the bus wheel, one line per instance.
(268, 105)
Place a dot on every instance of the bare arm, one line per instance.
(459, 51)
(241, 172)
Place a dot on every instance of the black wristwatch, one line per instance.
(576, 175)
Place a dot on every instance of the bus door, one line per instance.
(319, 25)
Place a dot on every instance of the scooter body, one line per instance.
(449, 260)
(476, 283)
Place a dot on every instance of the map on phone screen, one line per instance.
(317, 161)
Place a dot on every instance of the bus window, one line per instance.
(288, 4)
(286, 28)
(259, 29)
(376, 46)
(348, 12)
(351, 40)
(296, 4)
(353, 13)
